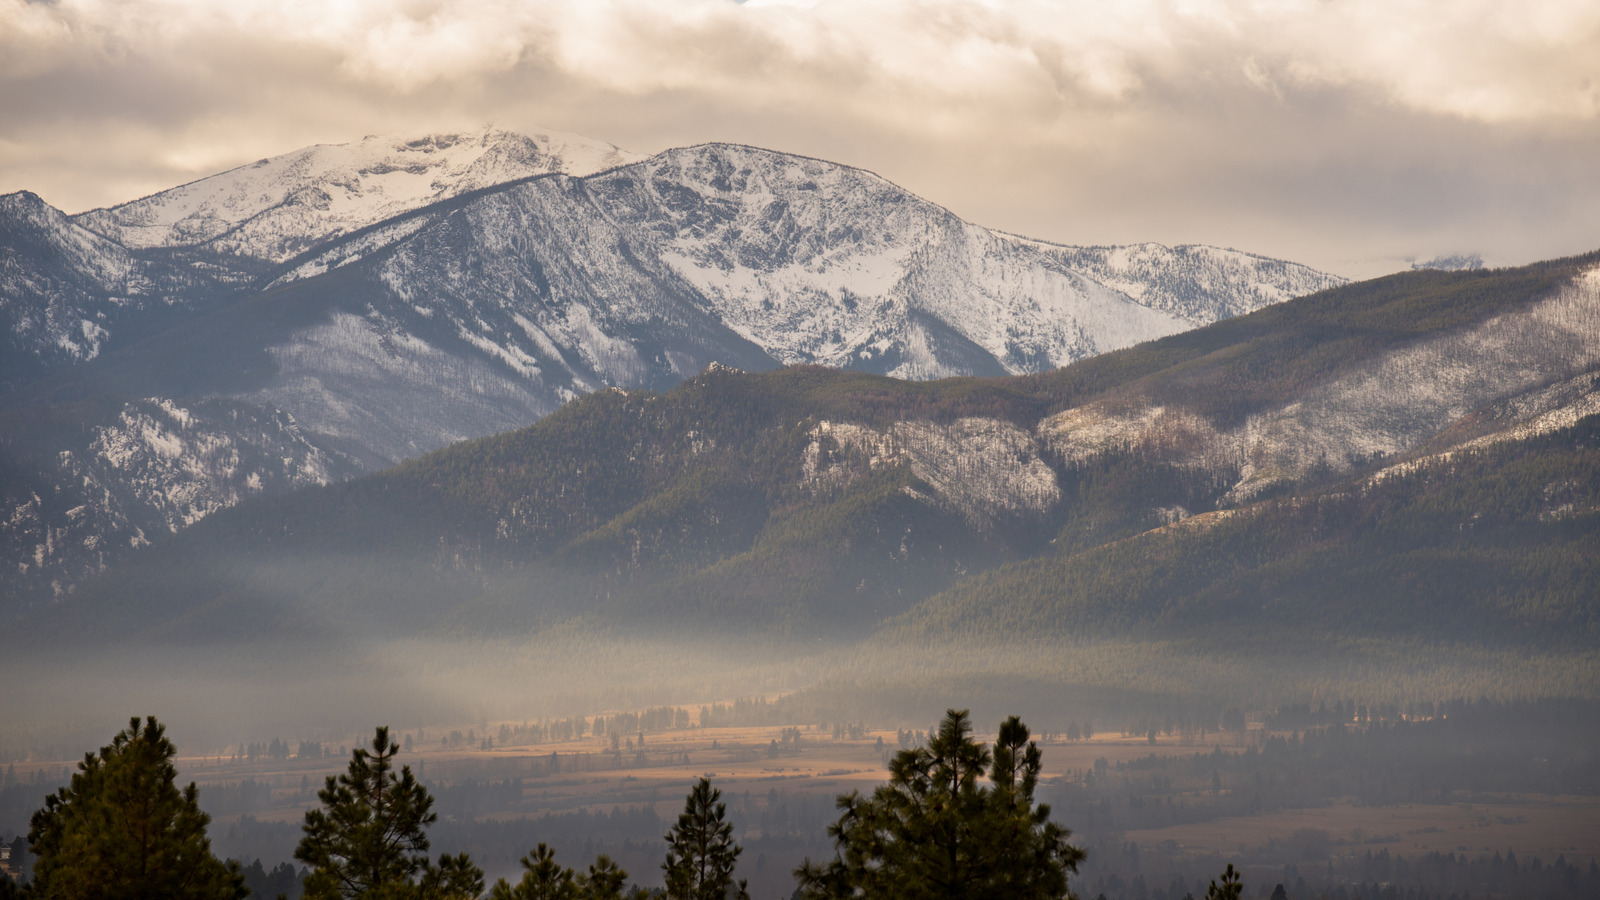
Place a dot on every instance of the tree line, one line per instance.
(957, 819)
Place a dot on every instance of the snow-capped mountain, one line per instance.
(811, 261)
(821, 263)
(359, 304)
(73, 286)
(641, 276)
(275, 208)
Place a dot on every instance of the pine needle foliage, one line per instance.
(545, 879)
(1231, 888)
(701, 852)
(604, 880)
(542, 879)
(935, 831)
(369, 838)
(123, 829)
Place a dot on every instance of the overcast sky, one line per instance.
(1348, 135)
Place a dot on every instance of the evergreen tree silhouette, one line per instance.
(369, 838)
(122, 829)
(702, 852)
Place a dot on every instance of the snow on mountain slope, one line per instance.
(383, 395)
(1513, 375)
(985, 469)
(818, 262)
(68, 294)
(1198, 283)
(489, 317)
(156, 467)
(54, 280)
(642, 275)
(276, 208)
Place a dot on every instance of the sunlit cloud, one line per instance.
(1328, 129)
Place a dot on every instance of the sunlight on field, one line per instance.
(561, 776)
(568, 775)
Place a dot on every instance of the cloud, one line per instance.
(1336, 131)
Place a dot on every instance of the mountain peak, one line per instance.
(279, 206)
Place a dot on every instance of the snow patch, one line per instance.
(985, 468)
(394, 395)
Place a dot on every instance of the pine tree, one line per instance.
(368, 840)
(934, 831)
(544, 879)
(1030, 853)
(1231, 887)
(122, 829)
(604, 880)
(702, 852)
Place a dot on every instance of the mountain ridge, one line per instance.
(506, 156)
(817, 501)
(486, 309)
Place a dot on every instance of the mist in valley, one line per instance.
(1149, 745)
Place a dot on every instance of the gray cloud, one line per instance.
(1347, 135)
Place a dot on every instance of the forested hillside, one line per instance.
(1498, 544)
(1411, 456)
